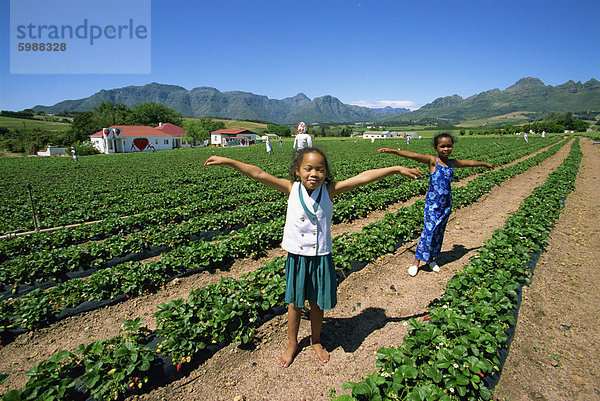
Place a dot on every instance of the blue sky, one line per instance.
(404, 52)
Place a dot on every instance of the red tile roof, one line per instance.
(171, 129)
(143, 131)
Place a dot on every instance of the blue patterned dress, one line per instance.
(438, 205)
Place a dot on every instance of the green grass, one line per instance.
(17, 123)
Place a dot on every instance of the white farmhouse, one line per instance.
(232, 137)
(139, 138)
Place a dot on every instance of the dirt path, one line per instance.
(373, 306)
(555, 354)
(353, 331)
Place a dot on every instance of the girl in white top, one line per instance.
(302, 139)
(310, 273)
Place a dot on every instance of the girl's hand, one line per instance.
(414, 173)
(215, 161)
(488, 165)
(386, 150)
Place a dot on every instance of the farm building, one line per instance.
(232, 137)
(376, 134)
(138, 138)
(53, 151)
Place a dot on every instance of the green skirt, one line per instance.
(310, 278)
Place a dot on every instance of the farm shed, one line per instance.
(138, 138)
(53, 151)
(376, 134)
(232, 137)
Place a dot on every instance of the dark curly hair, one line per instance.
(436, 138)
(297, 160)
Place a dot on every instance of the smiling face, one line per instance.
(312, 171)
(444, 146)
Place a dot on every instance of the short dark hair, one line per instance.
(436, 138)
(297, 160)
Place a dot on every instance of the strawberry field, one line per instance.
(162, 216)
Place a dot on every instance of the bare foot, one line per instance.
(288, 355)
(321, 352)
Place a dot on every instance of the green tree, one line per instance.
(346, 132)
(279, 130)
(83, 125)
(109, 113)
(151, 113)
(200, 129)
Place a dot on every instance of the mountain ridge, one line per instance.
(528, 94)
(206, 101)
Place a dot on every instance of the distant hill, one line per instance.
(526, 95)
(391, 110)
(210, 102)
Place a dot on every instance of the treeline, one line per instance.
(27, 114)
(553, 123)
(29, 141)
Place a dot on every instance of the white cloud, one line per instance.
(407, 104)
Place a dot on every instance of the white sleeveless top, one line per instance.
(308, 233)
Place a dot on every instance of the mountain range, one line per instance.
(528, 95)
(210, 102)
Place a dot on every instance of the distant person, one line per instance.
(152, 147)
(526, 137)
(302, 140)
(438, 201)
(74, 154)
(269, 147)
(408, 140)
(281, 143)
(309, 269)
(543, 134)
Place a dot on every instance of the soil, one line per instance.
(554, 355)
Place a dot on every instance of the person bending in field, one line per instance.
(438, 201)
(309, 270)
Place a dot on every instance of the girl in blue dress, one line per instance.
(438, 201)
(309, 270)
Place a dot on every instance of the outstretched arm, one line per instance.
(427, 159)
(471, 163)
(369, 176)
(253, 172)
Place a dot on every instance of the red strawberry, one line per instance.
(179, 366)
(426, 318)
(480, 374)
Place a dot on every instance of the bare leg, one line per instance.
(294, 315)
(316, 325)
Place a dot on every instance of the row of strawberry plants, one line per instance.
(54, 264)
(189, 326)
(38, 307)
(107, 369)
(36, 242)
(454, 353)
